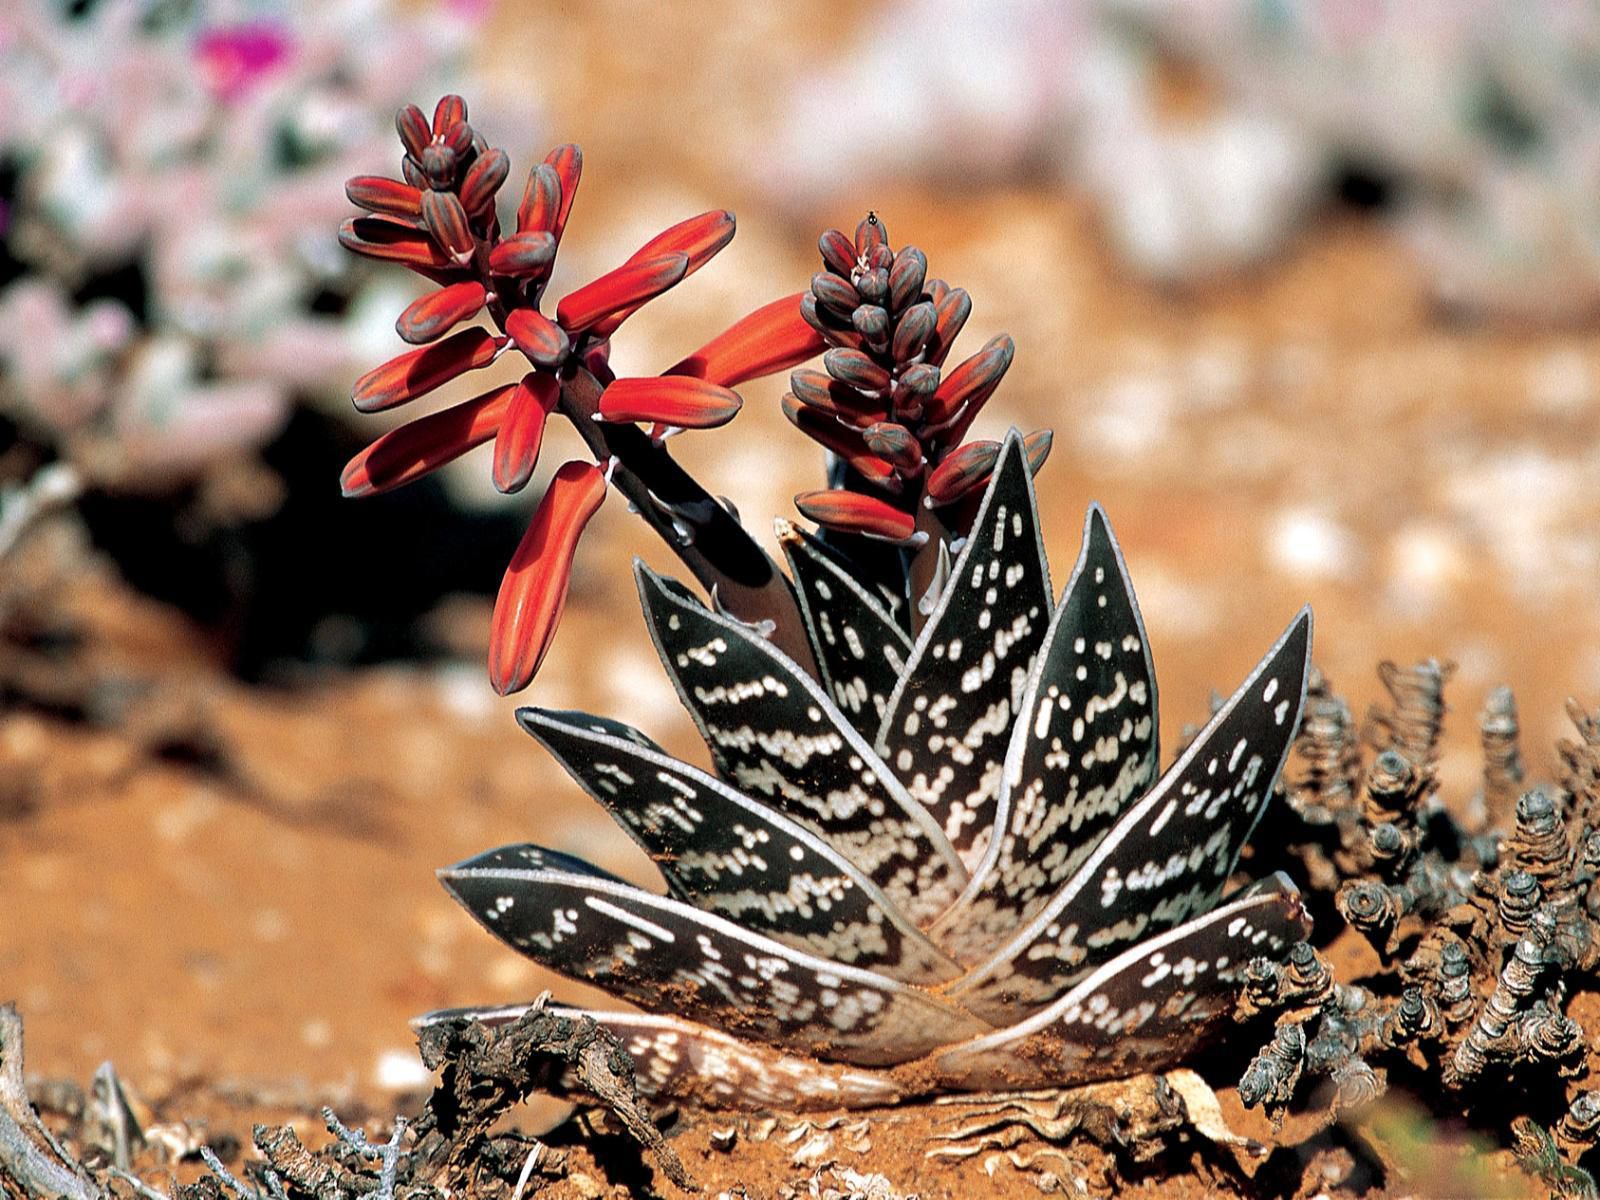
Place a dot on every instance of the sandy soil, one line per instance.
(232, 886)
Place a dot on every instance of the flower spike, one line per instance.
(439, 220)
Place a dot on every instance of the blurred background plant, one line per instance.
(1209, 133)
(171, 172)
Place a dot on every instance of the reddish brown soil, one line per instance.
(265, 920)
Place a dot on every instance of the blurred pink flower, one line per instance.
(236, 57)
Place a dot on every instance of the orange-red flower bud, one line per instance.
(420, 371)
(771, 339)
(431, 316)
(408, 453)
(853, 512)
(534, 590)
(516, 446)
(616, 291)
(536, 335)
(679, 400)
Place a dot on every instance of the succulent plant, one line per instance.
(982, 885)
(1486, 942)
(933, 851)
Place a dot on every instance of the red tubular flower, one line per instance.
(516, 446)
(420, 371)
(377, 194)
(699, 238)
(567, 162)
(854, 512)
(965, 389)
(408, 453)
(544, 342)
(961, 473)
(675, 400)
(524, 253)
(541, 201)
(619, 291)
(392, 241)
(771, 339)
(846, 442)
(432, 316)
(534, 590)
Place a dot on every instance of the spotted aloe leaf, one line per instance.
(774, 733)
(861, 651)
(1155, 1003)
(949, 718)
(731, 855)
(1169, 856)
(664, 955)
(1083, 749)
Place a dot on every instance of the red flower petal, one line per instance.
(536, 335)
(435, 314)
(451, 110)
(961, 472)
(420, 371)
(516, 446)
(951, 308)
(700, 238)
(447, 222)
(392, 241)
(534, 590)
(771, 339)
(426, 444)
(678, 400)
(963, 391)
(541, 201)
(377, 194)
(838, 251)
(568, 163)
(484, 179)
(844, 441)
(895, 444)
(852, 512)
(523, 253)
(628, 286)
(414, 130)
(1037, 446)
(825, 393)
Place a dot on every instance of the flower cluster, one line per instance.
(882, 404)
(441, 221)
